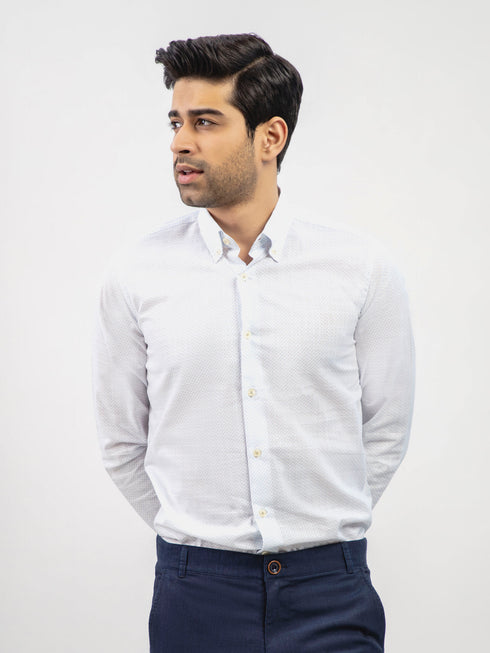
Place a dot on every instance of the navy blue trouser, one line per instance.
(317, 600)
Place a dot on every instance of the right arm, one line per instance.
(120, 396)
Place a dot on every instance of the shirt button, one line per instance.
(247, 335)
(273, 252)
(262, 512)
(252, 392)
(226, 241)
(257, 453)
(243, 277)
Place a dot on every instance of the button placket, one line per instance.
(254, 403)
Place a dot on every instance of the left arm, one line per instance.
(386, 360)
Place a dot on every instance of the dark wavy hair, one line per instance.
(265, 84)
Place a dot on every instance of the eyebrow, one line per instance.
(196, 112)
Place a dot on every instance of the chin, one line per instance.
(189, 200)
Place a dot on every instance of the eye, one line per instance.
(174, 125)
(204, 122)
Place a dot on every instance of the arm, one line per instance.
(120, 396)
(386, 359)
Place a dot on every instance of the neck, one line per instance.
(244, 222)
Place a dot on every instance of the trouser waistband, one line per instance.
(341, 556)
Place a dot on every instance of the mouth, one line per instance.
(186, 174)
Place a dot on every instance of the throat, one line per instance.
(244, 255)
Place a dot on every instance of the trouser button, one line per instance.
(274, 567)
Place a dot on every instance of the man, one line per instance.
(253, 380)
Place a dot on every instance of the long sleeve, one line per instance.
(386, 359)
(244, 425)
(120, 397)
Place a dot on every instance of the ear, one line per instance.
(273, 136)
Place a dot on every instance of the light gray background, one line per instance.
(393, 139)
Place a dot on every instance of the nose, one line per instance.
(182, 142)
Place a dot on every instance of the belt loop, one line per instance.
(347, 557)
(183, 561)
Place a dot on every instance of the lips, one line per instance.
(186, 174)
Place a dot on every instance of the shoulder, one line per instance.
(335, 233)
(340, 241)
(171, 233)
(351, 252)
(160, 245)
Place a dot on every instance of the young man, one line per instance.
(253, 380)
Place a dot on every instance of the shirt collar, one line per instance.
(276, 230)
(210, 231)
(277, 227)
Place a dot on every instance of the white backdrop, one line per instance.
(393, 139)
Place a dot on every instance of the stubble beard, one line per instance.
(228, 184)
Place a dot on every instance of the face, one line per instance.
(215, 160)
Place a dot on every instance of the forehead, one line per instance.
(195, 92)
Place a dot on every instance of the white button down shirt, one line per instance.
(259, 407)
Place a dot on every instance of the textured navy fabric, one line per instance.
(317, 600)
